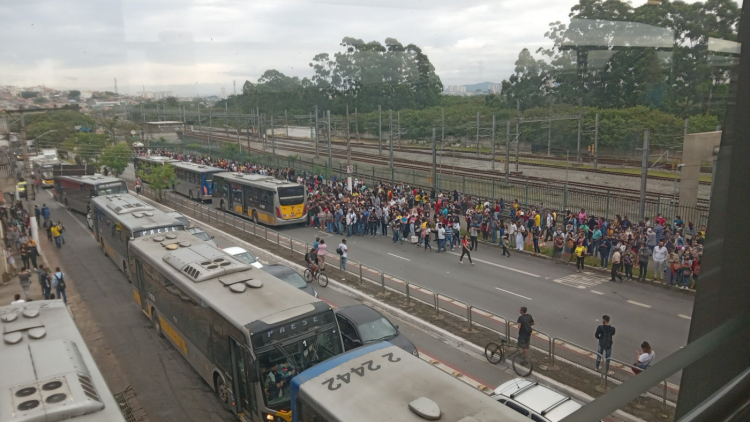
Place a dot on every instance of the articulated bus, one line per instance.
(76, 192)
(194, 180)
(43, 168)
(271, 201)
(244, 331)
(144, 163)
(382, 382)
(118, 219)
(46, 371)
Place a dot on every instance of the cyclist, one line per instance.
(525, 321)
(311, 259)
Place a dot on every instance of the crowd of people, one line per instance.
(454, 220)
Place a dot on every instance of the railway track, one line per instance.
(537, 182)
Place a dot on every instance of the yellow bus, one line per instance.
(262, 198)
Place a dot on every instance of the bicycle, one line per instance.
(321, 278)
(495, 354)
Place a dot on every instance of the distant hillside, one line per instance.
(482, 86)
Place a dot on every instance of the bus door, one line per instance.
(242, 385)
(235, 200)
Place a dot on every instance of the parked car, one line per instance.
(243, 256)
(291, 277)
(535, 401)
(200, 234)
(360, 325)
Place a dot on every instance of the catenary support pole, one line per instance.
(390, 138)
(434, 161)
(549, 129)
(317, 137)
(644, 177)
(380, 131)
(493, 143)
(596, 140)
(518, 131)
(507, 151)
(580, 127)
(330, 156)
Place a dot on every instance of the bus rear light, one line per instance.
(278, 212)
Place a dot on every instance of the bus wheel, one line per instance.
(222, 391)
(157, 325)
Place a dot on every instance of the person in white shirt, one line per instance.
(342, 258)
(512, 229)
(645, 357)
(441, 237)
(351, 219)
(660, 260)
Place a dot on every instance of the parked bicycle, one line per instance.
(321, 278)
(495, 353)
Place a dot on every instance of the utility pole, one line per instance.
(348, 141)
(237, 129)
(434, 161)
(644, 177)
(210, 128)
(549, 129)
(317, 137)
(286, 123)
(380, 131)
(596, 139)
(493, 143)
(580, 124)
(398, 127)
(257, 117)
(507, 152)
(518, 131)
(143, 116)
(330, 156)
(390, 137)
(477, 135)
(273, 137)
(356, 123)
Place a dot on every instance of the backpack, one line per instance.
(339, 251)
(60, 281)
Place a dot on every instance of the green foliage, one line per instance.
(116, 157)
(28, 94)
(40, 100)
(230, 150)
(703, 123)
(86, 146)
(172, 101)
(158, 177)
(63, 122)
(74, 94)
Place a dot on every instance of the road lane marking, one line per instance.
(516, 294)
(595, 292)
(638, 304)
(399, 257)
(498, 265)
(685, 316)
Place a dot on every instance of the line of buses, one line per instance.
(269, 351)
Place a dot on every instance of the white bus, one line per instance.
(264, 199)
(76, 192)
(382, 382)
(146, 162)
(194, 180)
(244, 331)
(118, 219)
(46, 371)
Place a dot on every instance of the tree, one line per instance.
(74, 94)
(116, 157)
(28, 94)
(230, 150)
(171, 101)
(86, 146)
(158, 177)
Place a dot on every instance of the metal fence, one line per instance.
(551, 349)
(557, 195)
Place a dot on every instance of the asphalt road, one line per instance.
(167, 387)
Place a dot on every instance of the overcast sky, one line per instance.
(198, 46)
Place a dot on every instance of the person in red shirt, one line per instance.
(465, 250)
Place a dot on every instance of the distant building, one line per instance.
(86, 95)
(222, 94)
(495, 88)
(455, 88)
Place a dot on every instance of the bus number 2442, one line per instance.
(361, 371)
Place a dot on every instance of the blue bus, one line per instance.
(194, 180)
(382, 382)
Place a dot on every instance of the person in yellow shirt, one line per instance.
(537, 220)
(56, 235)
(580, 255)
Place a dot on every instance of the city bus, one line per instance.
(75, 192)
(194, 180)
(118, 219)
(244, 331)
(382, 382)
(43, 171)
(264, 199)
(48, 373)
(146, 162)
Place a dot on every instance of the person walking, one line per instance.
(465, 250)
(604, 334)
(580, 252)
(506, 244)
(660, 261)
(643, 255)
(616, 261)
(24, 278)
(32, 251)
(343, 250)
(44, 282)
(55, 230)
(48, 228)
(58, 282)
(45, 212)
(38, 215)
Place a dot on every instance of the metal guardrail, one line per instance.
(554, 348)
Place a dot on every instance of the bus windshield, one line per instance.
(111, 188)
(292, 195)
(282, 362)
(47, 175)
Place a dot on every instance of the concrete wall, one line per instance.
(696, 147)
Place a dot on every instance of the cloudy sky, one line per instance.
(198, 46)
